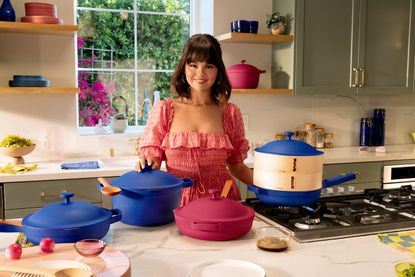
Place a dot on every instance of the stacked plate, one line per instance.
(29, 81)
(41, 13)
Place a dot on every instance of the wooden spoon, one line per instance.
(108, 189)
(226, 188)
(63, 272)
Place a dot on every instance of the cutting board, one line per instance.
(109, 263)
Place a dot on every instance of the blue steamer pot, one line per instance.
(69, 221)
(148, 197)
(293, 150)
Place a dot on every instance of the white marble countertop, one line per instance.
(116, 166)
(163, 251)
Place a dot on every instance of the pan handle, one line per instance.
(338, 180)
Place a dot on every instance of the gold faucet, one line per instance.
(136, 145)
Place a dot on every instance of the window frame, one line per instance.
(194, 26)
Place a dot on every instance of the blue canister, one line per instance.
(378, 138)
(366, 130)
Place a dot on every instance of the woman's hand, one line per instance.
(154, 163)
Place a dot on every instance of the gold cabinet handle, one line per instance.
(355, 77)
(46, 194)
(362, 77)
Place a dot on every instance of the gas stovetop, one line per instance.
(370, 212)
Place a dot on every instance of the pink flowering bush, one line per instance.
(94, 96)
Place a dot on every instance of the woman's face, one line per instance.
(201, 76)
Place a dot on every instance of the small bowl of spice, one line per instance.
(274, 239)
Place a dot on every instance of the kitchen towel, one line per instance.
(80, 165)
(403, 241)
(17, 169)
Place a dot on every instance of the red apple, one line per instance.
(47, 245)
(13, 251)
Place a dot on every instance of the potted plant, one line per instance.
(276, 23)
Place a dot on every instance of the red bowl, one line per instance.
(42, 19)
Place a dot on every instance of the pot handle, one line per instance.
(338, 180)
(208, 226)
(187, 183)
(261, 71)
(116, 216)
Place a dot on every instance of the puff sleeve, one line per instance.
(155, 131)
(234, 127)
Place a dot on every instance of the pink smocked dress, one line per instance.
(203, 157)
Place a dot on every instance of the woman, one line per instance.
(199, 134)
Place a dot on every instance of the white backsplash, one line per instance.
(271, 114)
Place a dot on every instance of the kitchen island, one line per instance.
(164, 252)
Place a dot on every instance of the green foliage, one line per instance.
(15, 141)
(160, 39)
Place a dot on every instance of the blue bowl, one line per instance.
(253, 26)
(28, 77)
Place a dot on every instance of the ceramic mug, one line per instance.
(253, 26)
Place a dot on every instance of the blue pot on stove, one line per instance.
(289, 173)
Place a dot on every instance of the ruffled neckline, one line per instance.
(197, 140)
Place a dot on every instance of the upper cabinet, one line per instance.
(354, 46)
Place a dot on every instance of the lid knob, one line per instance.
(289, 134)
(214, 194)
(67, 196)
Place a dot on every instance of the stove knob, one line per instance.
(340, 190)
(329, 191)
(351, 189)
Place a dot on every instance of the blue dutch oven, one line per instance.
(148, 197)
(289, 173)
(68, 221)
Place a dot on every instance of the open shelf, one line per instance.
(36, 28)
(54, 90)
(254, 38)
(263, 91)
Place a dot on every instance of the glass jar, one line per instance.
(300, 135)
(319, 138)
(310, 133)
(280, 137)
(328, 140)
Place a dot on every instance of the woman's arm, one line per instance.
(242, 172)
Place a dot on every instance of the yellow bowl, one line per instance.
(17, 152)
(400, 269)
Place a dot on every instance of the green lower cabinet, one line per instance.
(23, 198)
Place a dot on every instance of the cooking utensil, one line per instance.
(290, 172)
(214, 218)
(67, 221)
(63, 272)
(226, 188)
(148, 197)
(107, 189)
(297, 198)
(244, 75)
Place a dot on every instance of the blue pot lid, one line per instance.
(66, 214)
(147, 179)
(289, 147)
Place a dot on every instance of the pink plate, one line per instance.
(42, 19)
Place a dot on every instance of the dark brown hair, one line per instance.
(202, 48)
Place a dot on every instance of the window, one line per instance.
(127, 51)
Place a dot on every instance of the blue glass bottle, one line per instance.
(378, 127)
(7, 11)
(366, 128)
